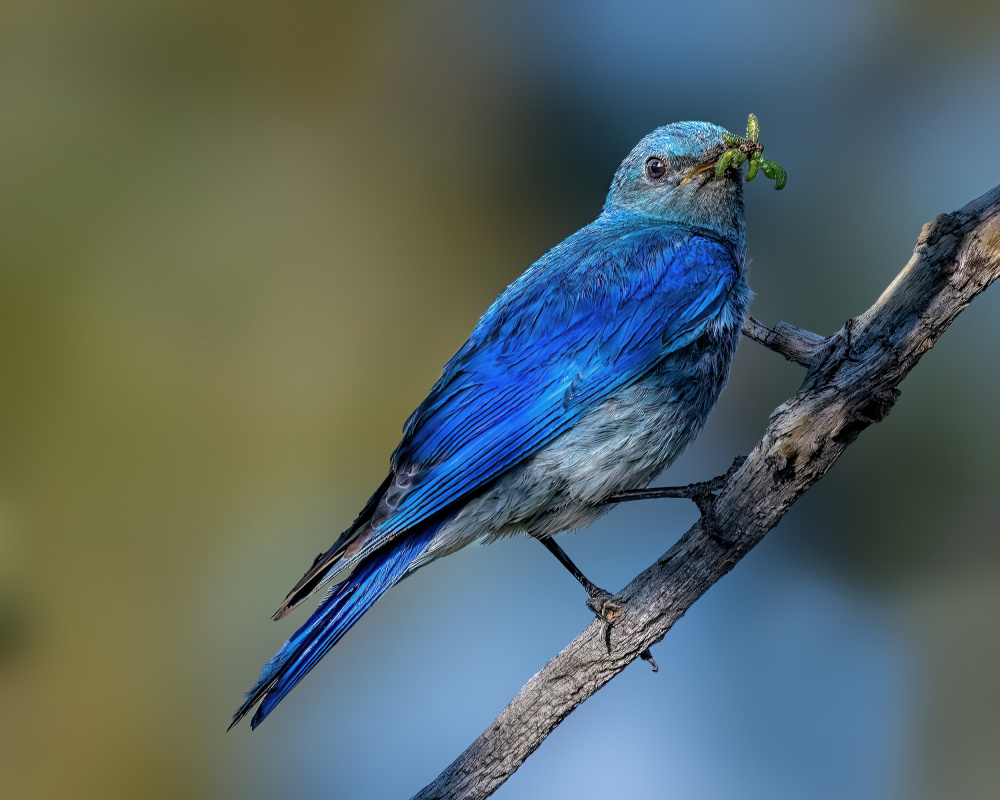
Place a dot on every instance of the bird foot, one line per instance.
(709, 523)
(603, 604)
(608, 610)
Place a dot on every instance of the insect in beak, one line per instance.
(743, 148)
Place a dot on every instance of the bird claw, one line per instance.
(704, 498)
(608, 610)
(603, 604)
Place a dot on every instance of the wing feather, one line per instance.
(590, 317)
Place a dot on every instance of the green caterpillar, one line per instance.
(743, 148)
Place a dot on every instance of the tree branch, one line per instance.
(795, 344)
(850, 383)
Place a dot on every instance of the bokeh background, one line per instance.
(237, 243)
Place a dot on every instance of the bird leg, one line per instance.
(600, 602)
(701, 493)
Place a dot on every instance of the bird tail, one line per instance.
(343, 605)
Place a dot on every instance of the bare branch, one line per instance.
(851, 382)
(795, 344)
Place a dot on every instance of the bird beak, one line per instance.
(704, 167)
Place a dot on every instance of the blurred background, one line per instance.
(239, 240)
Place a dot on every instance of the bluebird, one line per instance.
(587, 377)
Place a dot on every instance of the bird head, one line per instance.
(670, 176)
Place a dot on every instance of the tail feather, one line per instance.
(329, 563)
(343, 605)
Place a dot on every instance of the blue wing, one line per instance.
(593, 315)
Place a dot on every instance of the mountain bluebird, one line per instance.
(586, 378)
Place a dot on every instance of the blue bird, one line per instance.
(586, 378)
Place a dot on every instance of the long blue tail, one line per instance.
(341, 608)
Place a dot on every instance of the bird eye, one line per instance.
(655, 168)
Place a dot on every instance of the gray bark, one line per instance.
(850, 383)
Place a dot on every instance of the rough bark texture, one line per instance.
(850, 383)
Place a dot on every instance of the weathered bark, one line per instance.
(850, 383)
